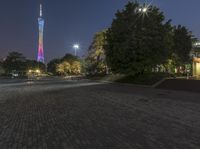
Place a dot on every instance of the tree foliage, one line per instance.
(137, 42)
(51, 66)
(15, 62)
(63, 68)
(179, 54)
(67, 65)
(70, 58)
(33, 65)
(95, 61)
(182, 44)
(69, 68)
(75, 67)
(2, 71)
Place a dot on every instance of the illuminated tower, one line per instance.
(40, 57)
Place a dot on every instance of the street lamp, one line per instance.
(76, 47)
(143, 10)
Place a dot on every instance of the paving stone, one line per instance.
(104, 116)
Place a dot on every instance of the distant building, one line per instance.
(195, 54)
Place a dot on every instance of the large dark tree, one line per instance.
(137, 41)
(182, 44)
(15, 62)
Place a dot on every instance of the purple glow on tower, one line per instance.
(40, 57)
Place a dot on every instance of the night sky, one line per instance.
(71, 21)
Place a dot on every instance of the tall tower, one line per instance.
(40, 57)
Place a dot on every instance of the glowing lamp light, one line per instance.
(76, 46)
(37, 71)
(144, 10)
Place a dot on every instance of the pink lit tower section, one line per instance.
(40, 57)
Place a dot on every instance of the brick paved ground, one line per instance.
(106, 116)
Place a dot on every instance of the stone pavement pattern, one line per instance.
(106, 116)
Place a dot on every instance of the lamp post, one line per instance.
(76, 47)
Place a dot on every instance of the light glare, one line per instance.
(76, 46)
(144, 10)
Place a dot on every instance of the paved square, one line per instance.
(92, 115)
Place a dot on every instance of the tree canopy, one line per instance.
(33, 64)
(182, 44)
(18, 62)
(95, 61)
(69, 64)
(15, 62)
(2, 71)
(51, 66)
(137, 41)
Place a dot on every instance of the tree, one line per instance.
(179, 58)
(182, 44)
(66, 68)
(68, 65)
(52, 66)
(70, 58)
(63, 68)
(33, 65)
(14, 62)
(96, 63)
(76, 67)
(136, 41)
(2, 71)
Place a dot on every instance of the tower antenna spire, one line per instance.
(40, 10)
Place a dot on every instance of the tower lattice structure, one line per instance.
(40, 57)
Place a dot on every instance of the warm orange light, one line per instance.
(196, 60)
